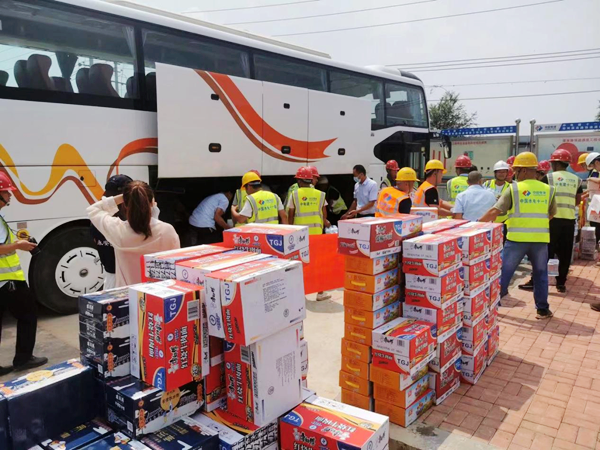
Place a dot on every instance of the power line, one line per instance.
(524, 96)
(477, 60)
(420, 20)
(504, 65)
(512, 82)
(250, 7)
(332, 14)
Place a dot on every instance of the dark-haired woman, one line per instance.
(140, 234)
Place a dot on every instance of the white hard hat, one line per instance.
(591, 158)
(501, 165)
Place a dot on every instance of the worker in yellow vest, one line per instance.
(391, 167)
(15, 295)
(239, 200)
(498, 185)
(294, 187)
(307, 205)
(261, 206)
(427, 193)
(530, 204)
(458, 184)
(394, 200)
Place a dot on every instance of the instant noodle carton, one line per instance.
(447, 352)
(356, 367)
(448, 285)
(475, 305)
(428, 300)
(358, 334)
(105, 314)
(496, 230)
(370, 237)
(476, 275)
(445, 320)
(304, 362)
(405, 337)
(166, 333)
(445, 382)
(400, 364)
(402, 398)
(356, 384)
(355, 399)
(429, 268)
(194, 270)
(437, 226)
(493, 291)
(443, 250)
(251, 301)
(426, 213)
(183, 434)
(356, 350)
(474, 336)
(493, 345)
(110, 358)
(372, 319)
(79, 436)
(371, 284)
(137, 408)
(491, 318)
(395, 380)
(406, 416)
(373, 266)
(473, 366)
(496, 261)
(263, 380)
(116, 441)
(215, 395)
(322, 424)
(161, 265)
(474, 243)
(371, 302)
(278, 240)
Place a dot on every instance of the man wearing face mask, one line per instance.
(365, 195)
(15, 295)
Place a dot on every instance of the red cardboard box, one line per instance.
(367, 266)
(473, 366)
(400, 364)
(493, 345)
(405, 417)
(446, 382)
(474, 306)
(494, 290)
(445, 320)
(371, 236)
(278, 240)
(371, 302)
(447, 353)
(427, 214)
(428, 268)
(161, 265)
(403, 398)
(476, 275)
(357, 400)
(437, 226)
(353, 247)
(443, 250)
(491, 318)
(165, 333)
(496, 261)
(372, 319)
(371, 284)
(358, 334)
(496, 230)
(396, 380)
(405, 337)
(474, 336)
(448, 285)
(474, 243)
(428, 300)
(214, 388)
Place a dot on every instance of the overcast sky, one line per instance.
(546, 28)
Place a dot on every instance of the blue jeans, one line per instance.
(538, 256)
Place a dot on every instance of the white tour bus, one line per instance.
(80, 85)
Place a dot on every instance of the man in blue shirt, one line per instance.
(473, 203)
(207, 220)
(366, 192)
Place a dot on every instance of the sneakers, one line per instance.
(5, 370)
(544, 314)
(321, 296)
(561, 288)
(527, 286)
(32, 363)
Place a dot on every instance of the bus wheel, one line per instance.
(68, 266)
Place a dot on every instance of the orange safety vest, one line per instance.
(420, 194)
(388, 201)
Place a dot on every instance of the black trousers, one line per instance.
(206, 235)
(561, 245)
(17, 299)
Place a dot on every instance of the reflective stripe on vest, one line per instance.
(240, 196)
(457, 185)
(339, 205)
(491, 184)
(385, 184)
(528, 219)
(565, 185)
(264, 207)
(10, 265)
(388, 201)
(420, 194)
(308, 206)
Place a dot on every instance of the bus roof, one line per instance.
(175, 21)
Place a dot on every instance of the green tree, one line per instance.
(450, 113)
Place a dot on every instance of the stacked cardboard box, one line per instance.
(588, 244)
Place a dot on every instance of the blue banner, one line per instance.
(511, 129)
(575, 126)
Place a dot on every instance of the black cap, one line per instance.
(116, 184)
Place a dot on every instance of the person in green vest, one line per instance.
(15, 296)
(307, 205)
(530, 204)
(498, 185)
(261, 206)
(294, 187)
(239, 200)
(392, 168)
(336, 206)
(459, 183)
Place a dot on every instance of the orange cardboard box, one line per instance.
(360, 401)
(357, 351)
(355, 367)
(371, 302)
(371, 284)
(404, 398)
(358, 334)
(405, 416)
(395, 380)
(371, 266)
(372, 319)
(355, 384)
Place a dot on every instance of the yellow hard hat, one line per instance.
(249, 177)
(582, 157)
(406, 174)
(525, 159)
(435, 164)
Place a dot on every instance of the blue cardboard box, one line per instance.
(186, 434)
(116, 441)
(105, 314)
(109, 357)
(78, 437)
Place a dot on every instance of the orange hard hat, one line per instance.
(304, 173)
(314, 171)
(544, 166)
(510, 160)
(561, 155)
(463, 161)
(392, 165)
(6, 183)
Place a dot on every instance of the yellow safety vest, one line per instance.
(388, 201)
(308, 209)
(420, 194)
(339, 205)
(528, 219)
(10, 265)
(264, 207)
(240, 196)
(566, 185)
(385, 184)
(457, 185)
(491, 184)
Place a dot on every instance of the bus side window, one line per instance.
(57, 49)
(362, 87)
(407, 105)
(278, 69)
(193, 52)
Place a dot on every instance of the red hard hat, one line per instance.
(511, 173)
(6, 183)
(304, 173)
(392, 165)
(561, 155)
(544, 166)
(510, 160)
(463, 161)
(314, 171)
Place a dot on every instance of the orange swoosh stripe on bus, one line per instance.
(300, 150)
